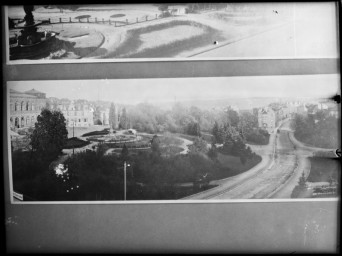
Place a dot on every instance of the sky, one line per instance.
(133, 91)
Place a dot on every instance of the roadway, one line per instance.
(284, 160)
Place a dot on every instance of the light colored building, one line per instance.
(104, 116)
(77, 113)
(177, 10)
(25, 107)
(267, 119)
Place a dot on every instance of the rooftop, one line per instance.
(33, 91)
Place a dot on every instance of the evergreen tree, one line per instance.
(215, 132)
(50, 134)
(124, 153)
(112, 117)
(123, 119)
(155, 146)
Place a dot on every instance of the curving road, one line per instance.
(283, 161)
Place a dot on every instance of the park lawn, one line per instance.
(234, 165)
(72, 32)
(171, 150)
(142, 42)
(169, 140)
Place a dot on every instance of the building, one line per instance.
(25, 107)
(267, 119)
(77, 113)
(102, 115)
(177, 10)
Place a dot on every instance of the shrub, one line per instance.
(75, 143)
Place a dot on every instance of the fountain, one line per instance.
(30, 43)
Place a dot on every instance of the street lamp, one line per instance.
(73, 135)
(125, 165)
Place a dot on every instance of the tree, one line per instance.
(50, 134)
(155, 145)
(163, 7)
(124, 153)
(233, 117)
(215, 132)
(194, 129)
(112, 117)
(212, 153)
(198, 147)
(123, 119)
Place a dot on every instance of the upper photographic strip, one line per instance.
(140, 32)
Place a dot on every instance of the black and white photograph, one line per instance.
(172, 127)
(69, 33)
(175, 139)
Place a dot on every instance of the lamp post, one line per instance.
(125, 189)
(73, 135)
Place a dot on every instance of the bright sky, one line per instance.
(132, 91)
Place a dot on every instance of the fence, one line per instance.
(116, 23)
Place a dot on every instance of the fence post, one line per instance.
(70, 19)
(60, 20)
(49, 20)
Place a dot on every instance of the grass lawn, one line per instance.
(169, 140)
(171, 150)
(142, 42)
(72, 32)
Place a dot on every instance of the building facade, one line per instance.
(77, 113)
(267, 119)
(25, 107)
